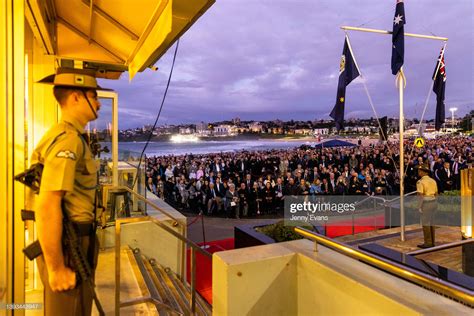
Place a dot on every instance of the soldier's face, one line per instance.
(91, 99)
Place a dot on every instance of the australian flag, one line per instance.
(439, 86)
(347, 72)
(398, 38)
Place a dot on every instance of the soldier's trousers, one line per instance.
(75, 302)
(428, 209)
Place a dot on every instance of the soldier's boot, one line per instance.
(428, 234)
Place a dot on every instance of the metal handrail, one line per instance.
(440, 247)
(375, 198)
(450, 290)
(384, 201)
(194, 248)
(144, 199)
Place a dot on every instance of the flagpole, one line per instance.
(367, 91)
(402, 158)
(363, 29)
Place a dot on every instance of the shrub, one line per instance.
(280, 232)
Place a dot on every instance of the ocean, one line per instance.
(202, 147)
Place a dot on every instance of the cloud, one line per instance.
(280, 59)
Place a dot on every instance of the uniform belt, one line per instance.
(429, 198)
(83, 229)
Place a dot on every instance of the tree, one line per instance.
(466, 125)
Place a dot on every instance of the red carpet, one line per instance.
(204, 266)
(361, 225)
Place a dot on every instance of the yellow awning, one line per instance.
(117, 35)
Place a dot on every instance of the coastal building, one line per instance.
(168, 129)
(186, 130)
(357, 129)
(303, 131)
(321, 131)
(255, 127)
(242, 129)
(223, 130)
(202, 129)
(238, 129)
(276, 130)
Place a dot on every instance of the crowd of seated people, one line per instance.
(244, 183)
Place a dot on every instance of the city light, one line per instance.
(184, 139)
(453, 109)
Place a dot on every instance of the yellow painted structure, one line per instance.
(255, 281)
(291, 279)
(120, 34)
(36, 37)
(467, 194)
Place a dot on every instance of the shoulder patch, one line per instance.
(66, 154)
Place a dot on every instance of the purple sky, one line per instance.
(263, 60)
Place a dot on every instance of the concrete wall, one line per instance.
(254, 281)
(291, 279)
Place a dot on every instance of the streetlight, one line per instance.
(452, 116)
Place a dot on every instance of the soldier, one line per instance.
(69, 181)
(427, 190)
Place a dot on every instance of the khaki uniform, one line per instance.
(70, 167)
(427, 188)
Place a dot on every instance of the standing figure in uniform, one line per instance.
(427, 190)
(69, 183)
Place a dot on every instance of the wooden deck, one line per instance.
(449, 258)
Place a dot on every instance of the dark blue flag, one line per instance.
(347, 72)
(439, 86)
(398, 38)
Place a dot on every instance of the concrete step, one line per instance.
(203, 308)
(159, 289)
(169, 287)
(131, 284)
(164, 303)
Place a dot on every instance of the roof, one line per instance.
(334, 143)
(114, 35)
